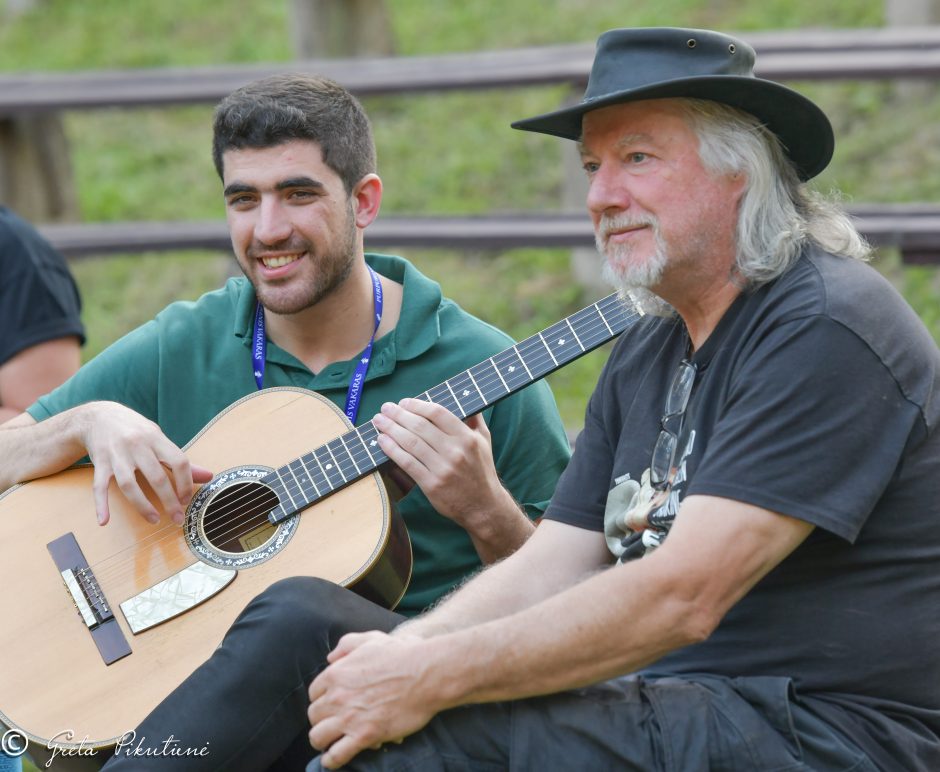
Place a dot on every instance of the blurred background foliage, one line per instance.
(438, 153)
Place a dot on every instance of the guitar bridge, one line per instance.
(86, 594)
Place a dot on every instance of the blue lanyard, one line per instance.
(259, 350)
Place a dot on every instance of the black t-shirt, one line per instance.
(38, 297)
(817, 396)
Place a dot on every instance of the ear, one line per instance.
(367, 197)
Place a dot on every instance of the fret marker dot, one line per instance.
(329, 466)
(511, 369)
(561, 341)
(373, 443)
(465, 393)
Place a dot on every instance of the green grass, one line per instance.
(438, 153)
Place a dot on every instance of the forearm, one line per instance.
(491, 594)
(625, 618)
(29, 450)
(519, 581)
(499, 529)
(605, 626)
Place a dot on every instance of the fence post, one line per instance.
(585, 261)
(911, 13)
(35, 168)
(336, 28)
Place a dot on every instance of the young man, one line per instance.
(297, 163)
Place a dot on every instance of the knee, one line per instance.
(292, 613)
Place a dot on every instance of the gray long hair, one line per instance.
(778, 214)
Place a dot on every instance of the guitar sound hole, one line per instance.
(236, 519)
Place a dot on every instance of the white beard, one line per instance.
(633, 280)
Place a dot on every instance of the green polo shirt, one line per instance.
(194, 359)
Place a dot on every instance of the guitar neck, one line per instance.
(353, 455)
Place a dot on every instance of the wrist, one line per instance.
(448, 672)
(492, 516)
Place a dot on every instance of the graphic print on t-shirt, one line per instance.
(630, 503)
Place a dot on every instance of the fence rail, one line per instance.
(796, 55)
(791, 55)
(913, 228)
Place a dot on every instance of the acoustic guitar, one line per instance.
(152, 602)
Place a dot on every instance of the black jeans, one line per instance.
(695, 724)
(245, 708)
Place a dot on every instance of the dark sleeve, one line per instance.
(39, 301)
(813, 425)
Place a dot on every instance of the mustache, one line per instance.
(610, 223)
(257, 249)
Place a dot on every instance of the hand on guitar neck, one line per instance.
(451, 460)
(122, 445)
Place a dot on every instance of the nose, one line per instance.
(273, 224)
(606, 191)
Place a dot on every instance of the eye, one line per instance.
(301, 195)
(240, 201)
(590, 167)
(637, 158)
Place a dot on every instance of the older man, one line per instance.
(739, 568)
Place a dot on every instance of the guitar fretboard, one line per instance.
(343, 460)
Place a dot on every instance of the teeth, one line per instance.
(277, 262)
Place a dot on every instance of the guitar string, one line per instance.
(171, 532)
(267, 493)
(242, 518)
(357, 458)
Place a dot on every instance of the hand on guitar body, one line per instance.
(452, 462)
(121, 444)
(376, 689)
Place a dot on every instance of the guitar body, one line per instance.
(53, 673)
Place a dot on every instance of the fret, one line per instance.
(492, 361)
(591, 325)
(562, 345)
(603, 318)
(363, 442)
(491, 388)
(463, 413)
(469, 396)
(313, 482)
(532, 352)
(286, 490)
(351, 458)
(334, 450)
(477, 386)
(512, 369)
(548, 348)
(368, 435)
(326, 463)
(278, 488)
(568, 322)
(300, 486)
(522, 359)
(443, 396)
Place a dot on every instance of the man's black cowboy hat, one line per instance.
(665, 62)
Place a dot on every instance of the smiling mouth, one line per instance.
(278, 262)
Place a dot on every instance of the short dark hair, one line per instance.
(282, 108)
